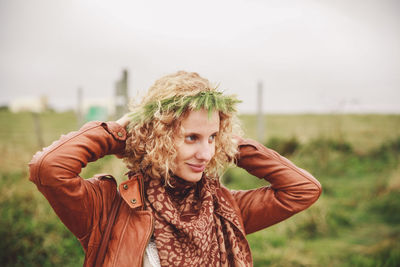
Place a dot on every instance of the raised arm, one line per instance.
(55, 171)
(292, 189)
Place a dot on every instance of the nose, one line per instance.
(205, 151)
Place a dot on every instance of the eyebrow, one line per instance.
(196, 133)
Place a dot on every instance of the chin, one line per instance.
(188, 175)
(193, 177)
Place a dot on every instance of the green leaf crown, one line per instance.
(210, 100)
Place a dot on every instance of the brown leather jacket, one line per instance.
(83, 205)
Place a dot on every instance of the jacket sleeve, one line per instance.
(291, 189)
(55, 171)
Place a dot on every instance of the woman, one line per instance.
(174, 211)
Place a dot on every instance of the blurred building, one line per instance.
(31, 104)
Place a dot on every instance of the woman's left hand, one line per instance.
(124, 120)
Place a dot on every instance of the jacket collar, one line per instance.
(132, 190)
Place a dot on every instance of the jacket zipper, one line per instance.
(148, 238)
(151, 217)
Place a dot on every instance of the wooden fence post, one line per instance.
(79, 108)
(38, 129)
(260, 114)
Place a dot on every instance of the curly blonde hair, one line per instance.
(150, 146)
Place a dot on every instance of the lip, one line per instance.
(197, 167)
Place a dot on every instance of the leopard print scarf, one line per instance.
(192, 227)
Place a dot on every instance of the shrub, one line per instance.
(388, 207)
(30, 237)
(285, 147)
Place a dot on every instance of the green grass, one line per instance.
(355, 222)
(364, 132)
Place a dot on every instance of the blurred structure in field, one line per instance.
(97, 109)
(93, 108)
(121, 95)
(103, 108)
(97, 113)
(32, 104)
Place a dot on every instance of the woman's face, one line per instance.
(197, 145)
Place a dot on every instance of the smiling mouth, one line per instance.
(197, 167)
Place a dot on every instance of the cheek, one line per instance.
(184, 152)
(213, 150)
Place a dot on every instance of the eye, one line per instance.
(190, 138)
(212, 138)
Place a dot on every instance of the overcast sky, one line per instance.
(312, 56)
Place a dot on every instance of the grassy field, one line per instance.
(356, 222)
